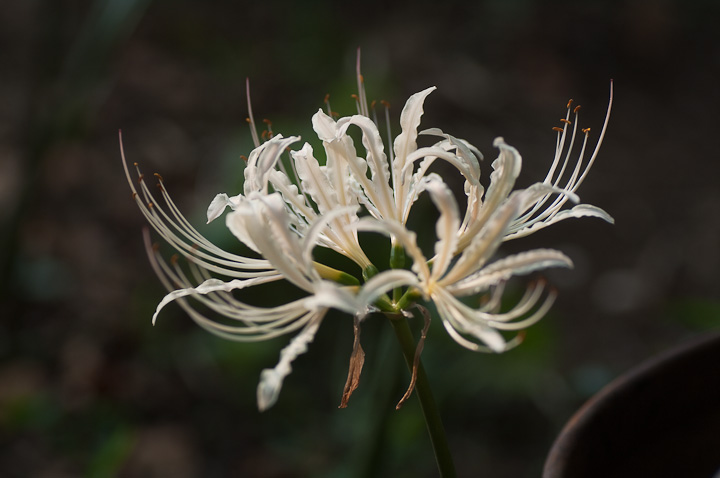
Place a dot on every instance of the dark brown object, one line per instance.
(661, 419)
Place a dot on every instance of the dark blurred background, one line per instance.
(89, 388)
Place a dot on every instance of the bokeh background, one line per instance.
(89, 388)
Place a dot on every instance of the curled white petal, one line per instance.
(218, 205)
(380, 283)
(210, 285)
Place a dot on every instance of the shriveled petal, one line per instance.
(271, 379)
(357, 360)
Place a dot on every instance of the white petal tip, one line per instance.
(217, 207)
(499, 141)
(268, 389)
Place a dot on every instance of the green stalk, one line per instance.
(397, 261)
(427, 402)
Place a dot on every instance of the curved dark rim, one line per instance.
(564, 444)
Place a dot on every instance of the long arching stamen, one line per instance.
(362, 98)
(251, 118)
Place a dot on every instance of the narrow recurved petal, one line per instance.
(381, 192)
(503, 269)
(313, 179)
(484, 243)
(405, 143)
(210, 285)
(457, 322)
(262, 161)
(506, 170)
(447, 225)
(581, 210)
(264, 221)
(271, 380)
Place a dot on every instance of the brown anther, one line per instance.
(244, 158)
(372, 104)
(160, 178)
(558, 129)
(565, 121)
(264, 134)
(135, 164)
(577, 108)
(267, 121)
(362, 79)
(586, 130)
(155, 246)
(327, 98)
(159, 186)
(140, 179)
(334, 114)
(134, 195)
(195, 247)
(521, 335)
(248, 120)
(385, 103)
(150, 205)
(174, 259)
(355, 97)
(570, 102)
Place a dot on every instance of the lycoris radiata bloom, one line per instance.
(293, 202)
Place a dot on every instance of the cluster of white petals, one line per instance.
(292, 202)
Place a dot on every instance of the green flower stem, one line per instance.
(397, 261)
(424, 394)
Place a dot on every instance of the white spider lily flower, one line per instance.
(291, 204)
(443, 284)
